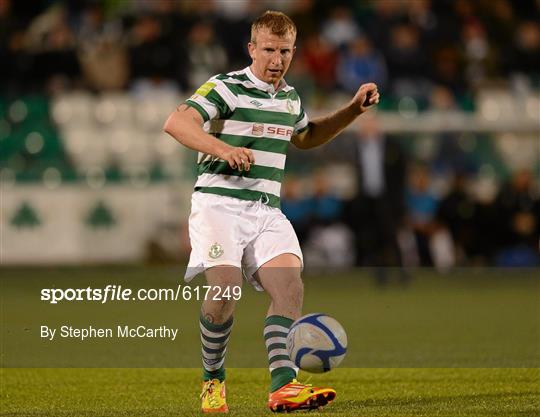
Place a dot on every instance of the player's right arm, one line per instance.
(185, 125)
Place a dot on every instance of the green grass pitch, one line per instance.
(464, 344)
(361, 392)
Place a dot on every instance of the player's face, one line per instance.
(271, 56)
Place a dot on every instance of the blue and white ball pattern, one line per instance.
(316, 343)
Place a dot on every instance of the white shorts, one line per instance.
(229, 231)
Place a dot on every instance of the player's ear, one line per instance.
(251, 49)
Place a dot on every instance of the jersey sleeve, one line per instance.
(302, 121)
(213, 100)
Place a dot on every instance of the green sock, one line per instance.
(214, 339)
(282, 369)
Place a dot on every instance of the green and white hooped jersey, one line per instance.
(241, 110)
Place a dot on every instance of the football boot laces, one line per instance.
(213, 394)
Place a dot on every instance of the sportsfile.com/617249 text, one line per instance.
(114, 292)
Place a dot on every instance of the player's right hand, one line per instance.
(238, 158)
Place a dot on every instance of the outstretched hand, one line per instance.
(366, 95)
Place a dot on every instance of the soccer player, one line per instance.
(241, 123)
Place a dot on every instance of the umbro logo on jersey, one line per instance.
(256, 103)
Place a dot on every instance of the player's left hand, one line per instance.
(366, 95)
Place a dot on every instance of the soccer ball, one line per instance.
(316, 343)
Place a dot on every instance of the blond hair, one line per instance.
(277, 23)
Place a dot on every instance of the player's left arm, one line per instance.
(325, 128)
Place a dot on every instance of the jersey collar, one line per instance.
(261, 85)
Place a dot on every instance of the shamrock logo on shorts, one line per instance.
(215, 251)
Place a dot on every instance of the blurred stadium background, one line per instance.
(88, 178)
(87, 175)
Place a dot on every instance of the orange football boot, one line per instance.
(296, 396)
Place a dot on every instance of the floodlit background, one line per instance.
(87, 175)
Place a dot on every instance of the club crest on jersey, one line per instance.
(290, 106)
(216, 250)
(257, 129)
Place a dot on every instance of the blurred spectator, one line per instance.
(102, 53)
(206, 56)
(464, 10)
(442, 99)
(8, 23)
(406, 59)
(303, 81)
(518, 210)
(93, 27)
(10, 44)
(321, 60)
(480, 57)
(233, 29)
(524, 55)
(295, 206)
(49, 31)
(457, 211)
(311, 213)
(378, 209)
(303, 16)
(325, 207)
(105, 65)
(450, 156)
(233, 10)
(151, 52)
(340, 28)
(486, 234)
(422, 207)
(360, 64)
(448, 69)
(422, 41)
(422, 16)
(386, 14)
(407, 62)
(49, 48)
(434, 244)
(500, 22)
(329, 241)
